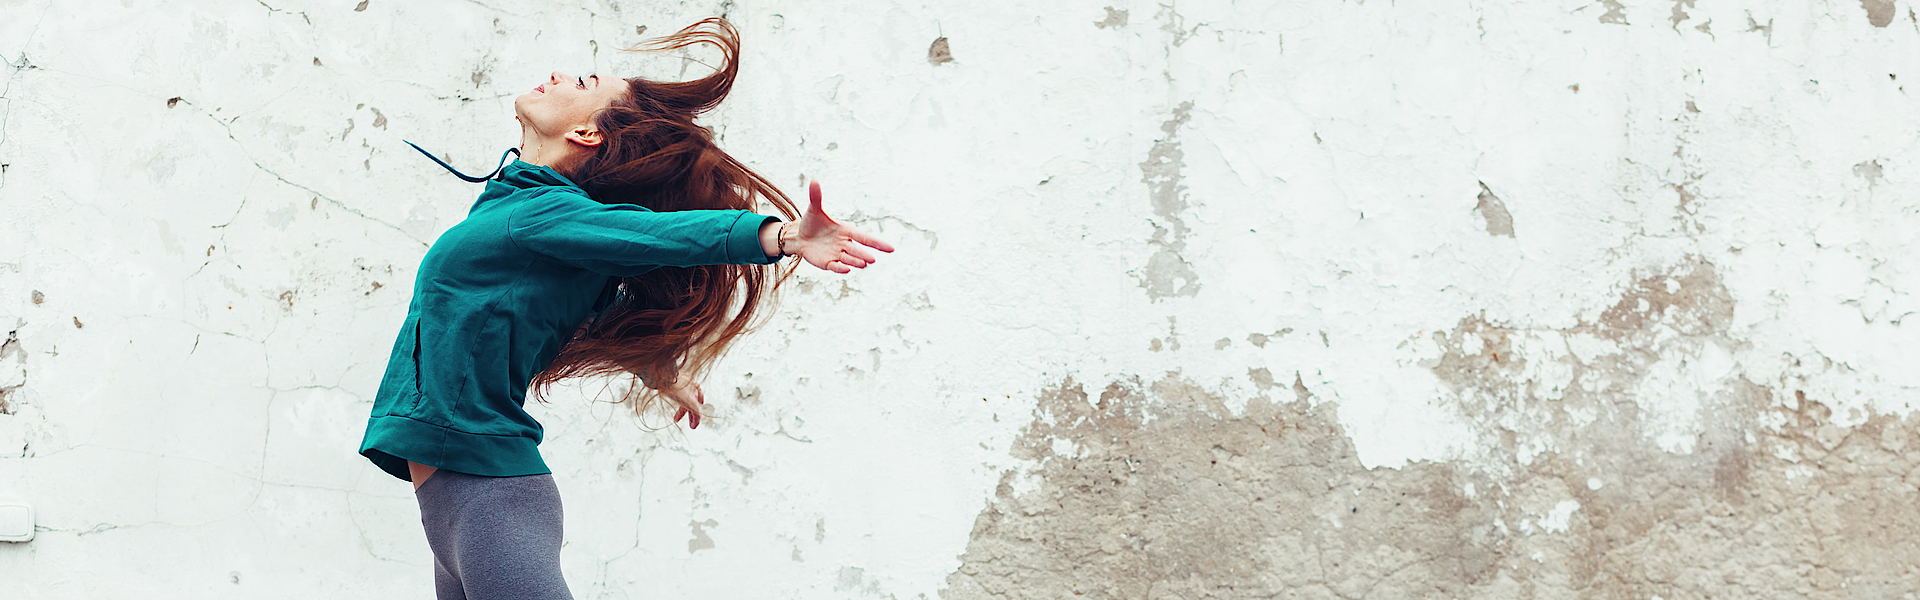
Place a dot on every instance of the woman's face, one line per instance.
(566, 103)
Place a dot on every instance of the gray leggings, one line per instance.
(493, 538)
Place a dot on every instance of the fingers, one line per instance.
(870, 241)
(842, 260)
(692, 415)
(856, 253)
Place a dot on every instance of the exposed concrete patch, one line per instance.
(1616, 12)
(939, 53)
(1259, 340)
(1490, 208)
(1165, 494)
(1687, 196)
(1159, 491)
(1115, 19)
(1879, 12)
(1764, 501)
(1168, 274)
(1754, 25)
(1680, 12)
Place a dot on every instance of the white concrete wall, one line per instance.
(1525, 241)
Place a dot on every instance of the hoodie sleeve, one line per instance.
(623, 239)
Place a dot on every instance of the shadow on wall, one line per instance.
(1165, 493)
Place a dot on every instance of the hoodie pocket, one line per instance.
(414, 325)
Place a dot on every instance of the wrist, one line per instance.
(788, 239)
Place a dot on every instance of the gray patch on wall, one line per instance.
(1869, 171)
(1879, 12)
(1166, 493)
(11, 348)
(1616, 12)
(700, 540)
(1168, 274)
(1115, 19)
(1679, 12)
(1490, 208)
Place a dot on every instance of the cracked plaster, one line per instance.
(1518, 299)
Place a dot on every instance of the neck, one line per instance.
(541, 150)
(543, 153)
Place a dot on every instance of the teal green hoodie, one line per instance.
(496, 297)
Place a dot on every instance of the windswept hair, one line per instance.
(670, 322)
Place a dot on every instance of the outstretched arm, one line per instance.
(820, 240)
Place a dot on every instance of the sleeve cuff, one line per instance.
(743, 243)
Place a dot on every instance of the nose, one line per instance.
(556, 76)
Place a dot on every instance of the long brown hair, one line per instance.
(670, 322)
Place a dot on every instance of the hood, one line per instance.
(523, 175)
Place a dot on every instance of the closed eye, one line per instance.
(583, 83)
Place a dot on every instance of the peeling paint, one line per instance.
(1168, 274)
(1159, 490)
(1494, 212)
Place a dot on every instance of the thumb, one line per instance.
(813, 197)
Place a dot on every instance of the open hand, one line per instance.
(829, 244)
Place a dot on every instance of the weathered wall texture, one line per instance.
(1194, 299)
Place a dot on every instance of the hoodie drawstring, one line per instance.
(457, 173)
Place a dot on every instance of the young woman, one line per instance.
(618, 243)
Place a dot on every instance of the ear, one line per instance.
(585, 135)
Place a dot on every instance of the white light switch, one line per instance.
(16, 522)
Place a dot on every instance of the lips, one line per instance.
(542, 88)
